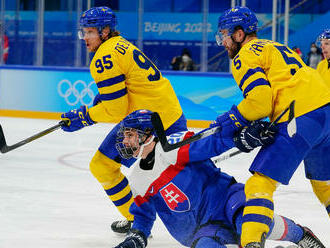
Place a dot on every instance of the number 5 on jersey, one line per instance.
(289, 60)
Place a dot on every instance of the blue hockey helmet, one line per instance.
(139, 121)
(325, 35)
(236, 17)
(98, 17)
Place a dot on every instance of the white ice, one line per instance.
(48, 197)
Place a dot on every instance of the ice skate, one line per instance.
(121, 226)
(309, 240)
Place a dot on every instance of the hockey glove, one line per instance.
(76, 119)
(134, 239)
(259, 133)
(230, 122)
(97, 99)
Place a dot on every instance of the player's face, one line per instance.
(325, 46)
(131, 140)
(229, 44)
(92, 38)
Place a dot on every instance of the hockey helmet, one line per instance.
(236, 17)
(97, 17)
(138, 121)
(325, 35)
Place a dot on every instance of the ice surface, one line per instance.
(48, 198)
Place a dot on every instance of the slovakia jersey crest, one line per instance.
(175, 199)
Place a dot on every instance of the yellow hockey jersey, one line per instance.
(270, 76)
(324, 70)
(127, 80)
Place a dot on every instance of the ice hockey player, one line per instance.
(270, 76)
(127, 80)
(199, 205)
(324, 66)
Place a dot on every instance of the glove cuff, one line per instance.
(97, 99)
(87, 119)
(239, 117)
(240, 141)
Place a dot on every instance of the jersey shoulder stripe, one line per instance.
(249, 73)
(168, 170)
(253, 84)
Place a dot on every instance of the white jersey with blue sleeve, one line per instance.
(184, 193)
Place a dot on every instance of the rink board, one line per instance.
(44, 92)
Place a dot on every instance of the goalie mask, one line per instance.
(134, 131)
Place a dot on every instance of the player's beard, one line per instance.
(94, 49)
(233, 50)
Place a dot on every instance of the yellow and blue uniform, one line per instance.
(270, 76)
(127, 80)
(324, 69)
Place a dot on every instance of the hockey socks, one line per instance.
(259, 208)
(322, 191)
(284, 229)
(115, 184)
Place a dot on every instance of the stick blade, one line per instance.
(3, 143)
(292, 126)
(291, 110)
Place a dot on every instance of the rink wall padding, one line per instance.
(45, 92)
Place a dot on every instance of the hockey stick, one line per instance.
(291, 128)
(159, 128)
(226, 156)
(292, 125)
(4, 148)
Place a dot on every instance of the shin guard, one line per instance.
(115, 184)
(322, 191)
(259, 208)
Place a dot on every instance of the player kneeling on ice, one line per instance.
(199, 205)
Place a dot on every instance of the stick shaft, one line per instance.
(5, 148)
(159, 128)
(226, 156)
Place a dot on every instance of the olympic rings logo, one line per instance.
(77, 92)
